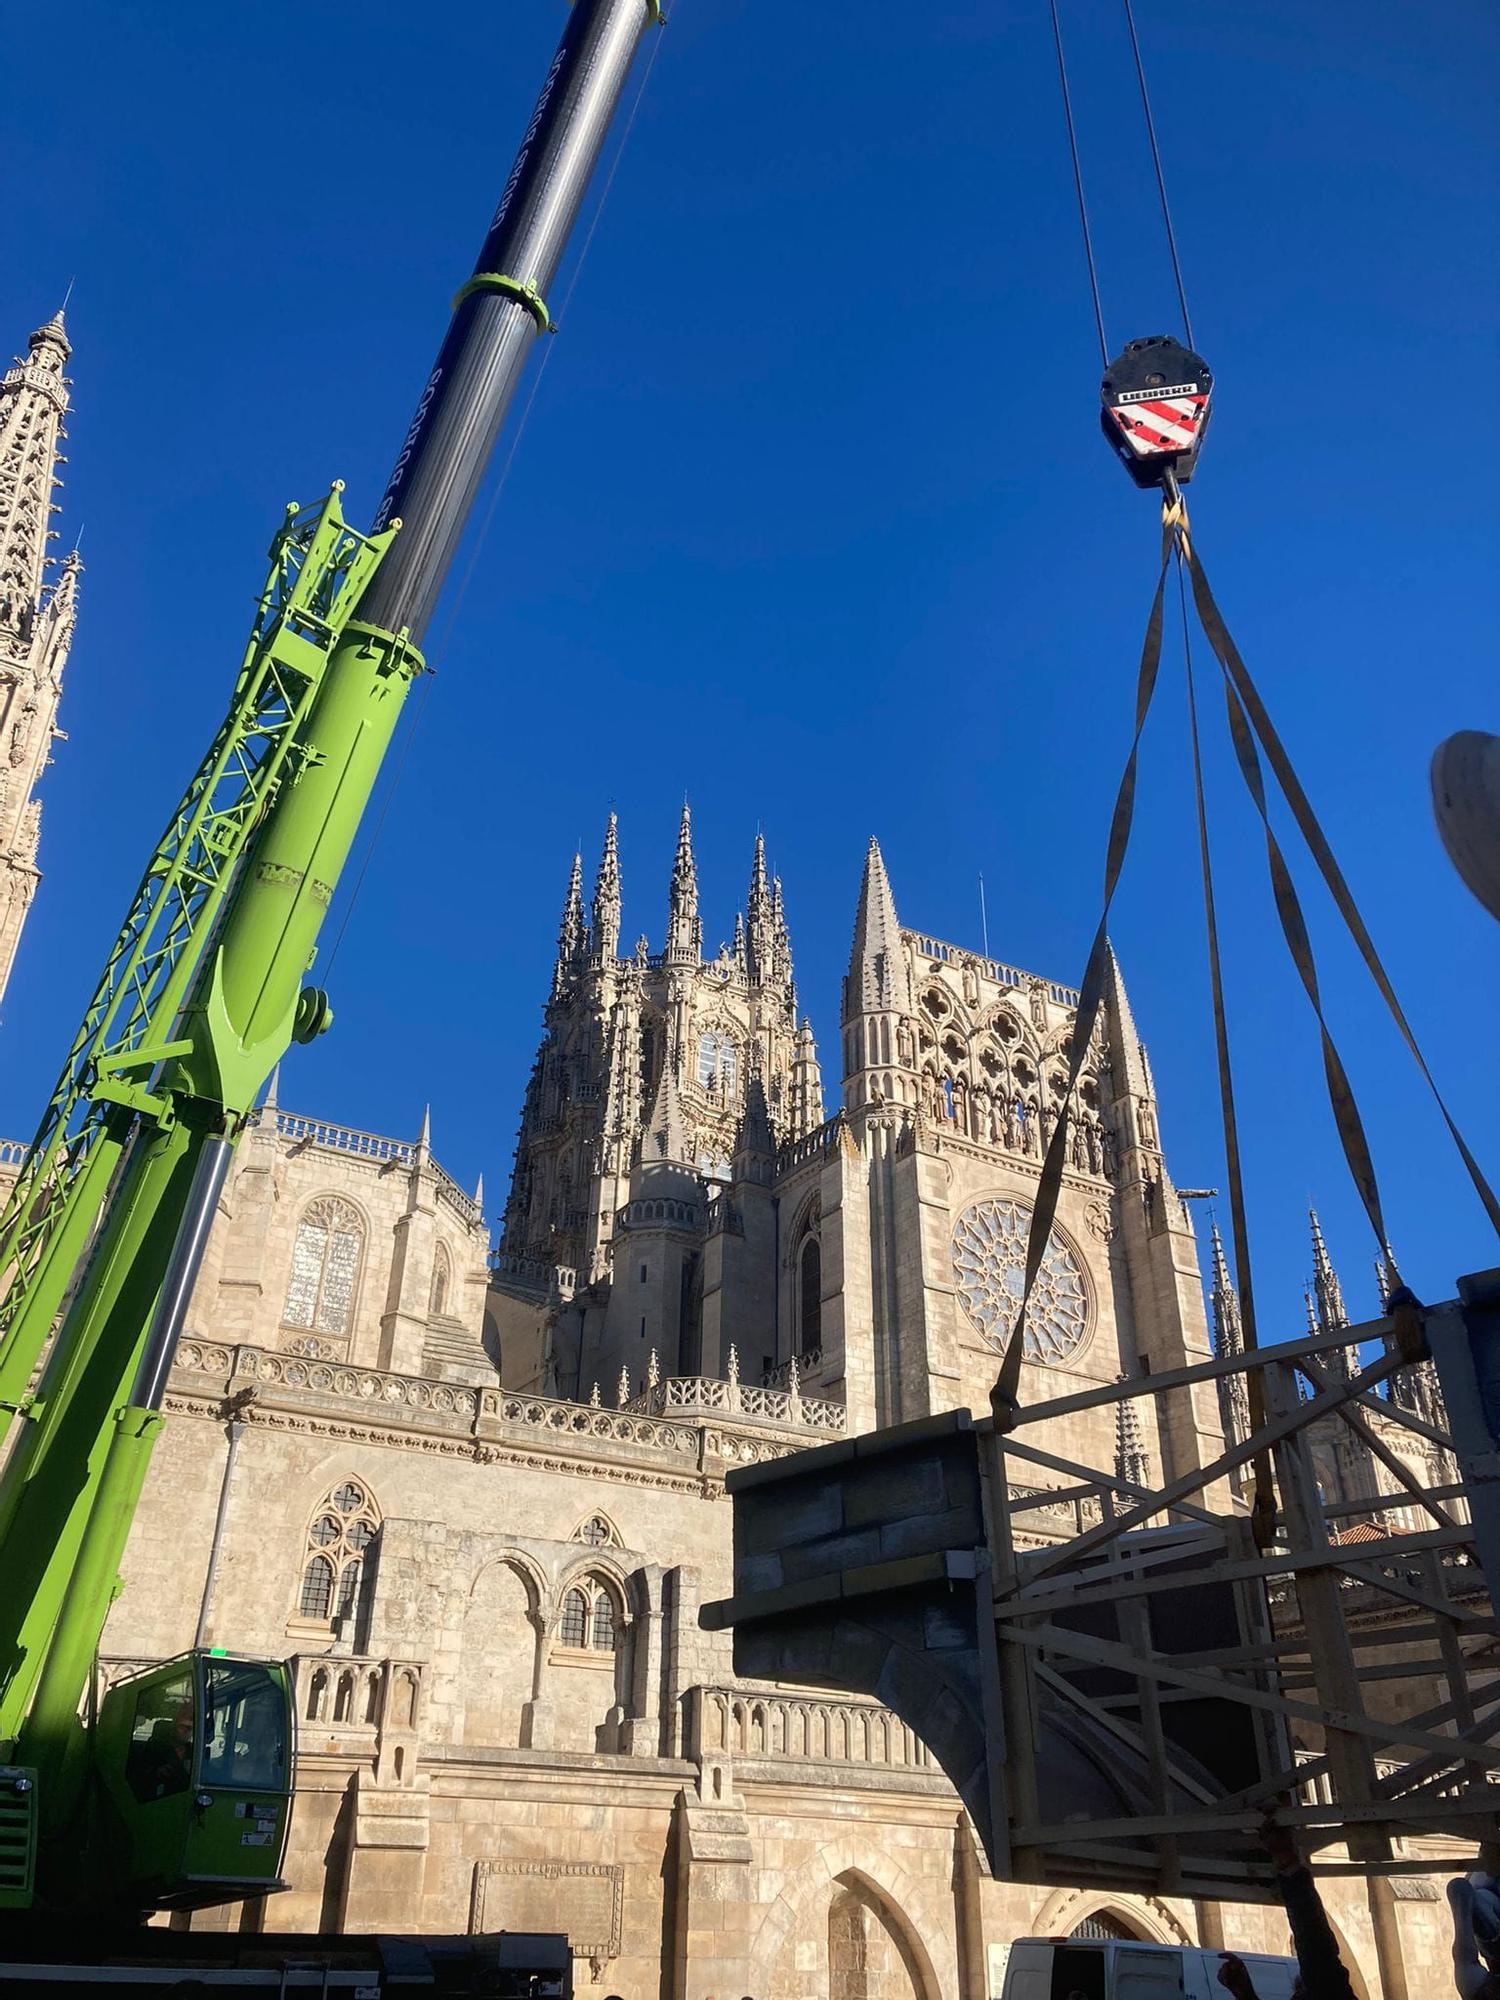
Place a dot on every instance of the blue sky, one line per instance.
(811, 518)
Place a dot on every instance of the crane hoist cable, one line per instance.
(1155, 416)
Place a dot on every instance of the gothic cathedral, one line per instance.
(476, 1492)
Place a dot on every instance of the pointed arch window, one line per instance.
(326, 1259)
(810, 1297)
(590, 1618)
(335, 1568)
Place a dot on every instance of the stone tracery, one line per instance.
(989, 1259)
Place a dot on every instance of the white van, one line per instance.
(1113, 1969)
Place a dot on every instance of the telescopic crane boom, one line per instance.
(148, 1805)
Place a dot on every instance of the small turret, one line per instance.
(607, 897)
(807, 1084)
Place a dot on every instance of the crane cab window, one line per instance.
(159, 1761)
(245, 1729)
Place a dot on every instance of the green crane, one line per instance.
(174, 1790)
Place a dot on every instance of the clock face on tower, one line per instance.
(989, 1269)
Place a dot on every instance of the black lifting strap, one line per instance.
(1247, 711)
(1005, 1399)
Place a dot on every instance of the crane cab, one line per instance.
(195, 1759)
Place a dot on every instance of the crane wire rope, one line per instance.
(1161, 179)
(494, 501)
(1083, 211)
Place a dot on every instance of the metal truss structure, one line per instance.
(1367, 1669)
(1117, 1703)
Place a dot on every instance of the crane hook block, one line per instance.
(1156, 396)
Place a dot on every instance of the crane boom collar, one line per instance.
(508, 288)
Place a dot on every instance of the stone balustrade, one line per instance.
(701, 1435)
(989, 968)
(701, 1395)
(805, 1364)
(749, 1722)
(348, 1139)
(533, 1275)
(814, 1145)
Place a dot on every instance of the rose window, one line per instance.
(989, 1267)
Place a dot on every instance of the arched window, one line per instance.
(442, 1280)
(810, 1298)
(573, 1627)
(339, 1541)
(590, 1620)
(1104, 1924)
(718, 1062)
(325, 1267)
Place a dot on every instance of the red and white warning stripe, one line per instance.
(1166, 424)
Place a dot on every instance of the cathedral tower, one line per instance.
(36, 613)
(642, 1050)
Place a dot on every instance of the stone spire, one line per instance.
(1326, 1312)
(572, 934)
(36, 621)
(1131, 1461)
(684, 927)
(877, 980)
(33, 401)
(1229, 1338)
(607, 896)
(666, 1133)
(754, 1149)
(1128, 1060)
(761, 922)
(877, 994)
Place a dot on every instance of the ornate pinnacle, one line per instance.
(622, 1393)
(1229, 1338)
(1132, 1466)
(653, 1371)
(573, 931)
(684, 930)
(734, 1365)
(596, 1401)
(607, 896)
(761, 926)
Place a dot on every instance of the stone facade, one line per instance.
(36, 614)
(482, 1509)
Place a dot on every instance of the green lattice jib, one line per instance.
(320, 568)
